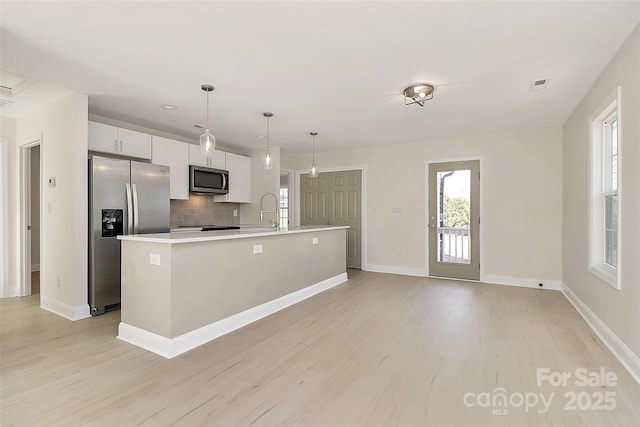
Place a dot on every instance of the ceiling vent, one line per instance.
(539, 84)
(12, 85)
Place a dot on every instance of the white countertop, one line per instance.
(205, 236)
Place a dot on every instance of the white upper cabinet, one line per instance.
(239, 168)
(124, 142)
(174, 154)
(217, 161)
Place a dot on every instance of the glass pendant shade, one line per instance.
(207, 143)
(313, 172)
(207, 139)
(268, 163)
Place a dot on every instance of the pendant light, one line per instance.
(207, 139)
(268, 163)
(313, 173)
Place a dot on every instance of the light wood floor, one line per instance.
(35, 282)
(377, 350)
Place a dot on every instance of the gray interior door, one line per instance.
(454, 219)
(334, 198)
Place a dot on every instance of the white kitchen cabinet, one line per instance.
(217, 161)
(239, 168)
(174, 154)
(123, 142)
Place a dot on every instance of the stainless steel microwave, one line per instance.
(208, 180)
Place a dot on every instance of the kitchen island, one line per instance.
(183, 289)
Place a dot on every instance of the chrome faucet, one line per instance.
(276, 211)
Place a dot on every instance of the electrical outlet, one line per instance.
(257, 249)
(235, 213)
(315, 240)
(154, 259)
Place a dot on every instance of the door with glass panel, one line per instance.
(453, 219)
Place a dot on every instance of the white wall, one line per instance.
(63, 126)
(8, 255)
(521, 184)
(619, 310)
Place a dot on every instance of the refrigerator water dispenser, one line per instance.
(112, 223)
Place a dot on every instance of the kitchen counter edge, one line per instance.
(206, 236)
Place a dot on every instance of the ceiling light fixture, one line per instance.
(268, 164)
(418, 94)
(207, 139)
(313, 173)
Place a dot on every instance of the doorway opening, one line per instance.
(30, 231)
(454, 219)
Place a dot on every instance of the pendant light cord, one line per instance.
(208, 111)
(268, 134)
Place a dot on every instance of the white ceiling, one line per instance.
(334, 67)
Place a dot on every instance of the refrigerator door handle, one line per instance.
(129, 229)
(135, 207)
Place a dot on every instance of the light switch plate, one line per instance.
(154, 259)
(52, 182)
(257, 249)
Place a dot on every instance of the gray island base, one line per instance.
(181, 290)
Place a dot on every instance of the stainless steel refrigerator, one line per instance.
(125, 197)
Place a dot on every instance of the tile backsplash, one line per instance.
(202, 210)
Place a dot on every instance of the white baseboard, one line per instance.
(393, 269)
(11, 290)
(554, 285)
(485, 278)
(65, 310)
(171, 347)
(35, 267)
(625, 356)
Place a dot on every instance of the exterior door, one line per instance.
(454, 219)
(334, 198)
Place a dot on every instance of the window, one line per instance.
(604, 227)
(284, 207)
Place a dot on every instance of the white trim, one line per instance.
(595, 217)
(480, 160)
(171, 347)
(393, 269)
(521, 282)
(4, 218)
(65, 310)
(23, 244)
(484, 278)
(625, 356)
